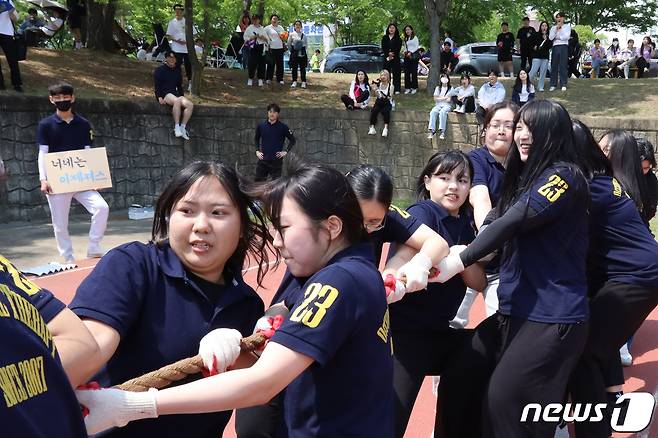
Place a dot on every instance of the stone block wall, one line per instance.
(143, 151)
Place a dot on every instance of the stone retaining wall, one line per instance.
(143, 151)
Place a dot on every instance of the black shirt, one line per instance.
(391, 45)
(505, 52)
(62, 136)
(270, 138)
(524, 35)
(448, 60)
(540, 47)
(167, 80)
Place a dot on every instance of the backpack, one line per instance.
(298, 48)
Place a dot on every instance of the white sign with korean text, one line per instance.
(78, 170)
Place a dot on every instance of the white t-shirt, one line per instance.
(273, 33)
(6, 25)
(259, 32)
(52, 26)
(176, 30)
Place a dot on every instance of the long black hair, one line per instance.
(627, 167)
(396, 35)
(552, 142)
(518, 84)
(320, 191)
(596, 163)
(646, 151)
(371, 183)
(444, 162)
(255, 238)
(365, 78)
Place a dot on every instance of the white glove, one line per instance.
(451, 265)
(219, 349)
(115, 408)
(415, 272)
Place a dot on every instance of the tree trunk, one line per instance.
(435, 10)
(261, 11)
(197, 65)
(100, 24)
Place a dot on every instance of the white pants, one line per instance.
(60, 205)
(490, 300)
(441, 111)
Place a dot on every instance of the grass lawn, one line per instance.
(107, 76)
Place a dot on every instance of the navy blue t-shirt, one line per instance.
(622, 248)
(434, 307)
(399, 226)
(168, 80)
(61, 136)
(543, 270)
(488, 172)
(37, 399)
(144, 293)
(270, 138)
(341, 320)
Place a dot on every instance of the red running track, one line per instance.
(642, 376)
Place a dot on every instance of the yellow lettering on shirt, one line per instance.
(12, 386)
(19, 279)
(22, 310)
(22, 381)
(318, 299)
(398, 210)
(616, 188)
(554, 188)
(382, 331)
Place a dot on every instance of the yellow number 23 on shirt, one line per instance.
(553, 188)
(318, 299)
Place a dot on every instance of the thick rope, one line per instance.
(169, 374)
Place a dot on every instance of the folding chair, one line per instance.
(216, 59)
(160, 40)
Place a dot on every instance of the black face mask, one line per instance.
(63, 105)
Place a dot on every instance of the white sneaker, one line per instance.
(564, 88)
(551, 89)
(260, 82)
(385, 132)
(430, 134)
(281, 83)
(95, 251)
(397, 92)
(407, 91)
(626, 358)
(293, 85)
(372, 131)
(442, 136)
(177, 131)
(250, 83)
(185, 135)
(414, 91)
(303, 84)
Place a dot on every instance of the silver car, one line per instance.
(477, 59)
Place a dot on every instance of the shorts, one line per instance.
(504, 57)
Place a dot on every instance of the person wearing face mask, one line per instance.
(614, 59)
(60, 132)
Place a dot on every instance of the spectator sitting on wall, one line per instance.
(491, 93)
(168, 81)
(32, 21)
(628, 57)
(614, 59)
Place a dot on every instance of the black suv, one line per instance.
(350, 59)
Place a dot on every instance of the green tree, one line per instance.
(601, 14)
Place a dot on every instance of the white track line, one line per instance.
(645, 433)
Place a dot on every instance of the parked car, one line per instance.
(479, 58)
(349, 59)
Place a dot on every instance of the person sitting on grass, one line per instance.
(359, 94)
(384, 104)
(168, 81)
(32, 21)
(464, 97)
(443, 105)
(523, 90)
(491, 93)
